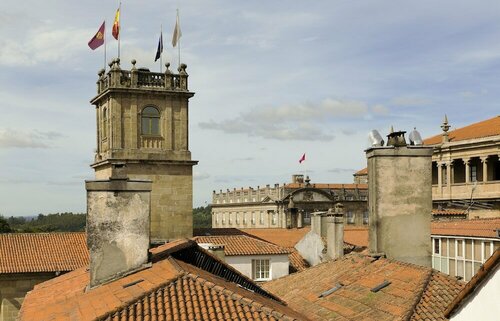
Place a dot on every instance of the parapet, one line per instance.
(142, 78)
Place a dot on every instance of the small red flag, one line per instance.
(303, 158)
(98, 39)
(116, 25)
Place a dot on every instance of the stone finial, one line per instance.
(101, 72)
(133, 62)
(445, 127)
(182, 69)
(308, 181)
(392, 130)
(167, 70)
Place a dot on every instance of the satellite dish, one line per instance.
(415, 138)
(375, 138)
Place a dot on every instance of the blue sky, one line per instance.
(273, 79)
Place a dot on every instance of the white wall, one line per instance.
(484, 303)
(311, 248)
(243, 263)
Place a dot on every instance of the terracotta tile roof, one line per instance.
(297, 262)
(485, 128)
(169, 290)
(356, 235)
(42, 252)
(243, 245)
(412, 289)
(486, 227)
(363, 171)
(279, 236)
(330, 186)
(448, 212)
(474, 284)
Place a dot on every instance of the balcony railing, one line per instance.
(483, 190)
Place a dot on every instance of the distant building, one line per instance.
(460, 247)
(465, 168)
(288, 205)
(27, 259)
(257, 259)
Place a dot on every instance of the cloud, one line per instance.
(200, 176)
(10, 138)
(380, 109)
(409, 101)
(342, 170)
(307, 121)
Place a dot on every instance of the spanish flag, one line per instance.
(98, 39)
(116, 25)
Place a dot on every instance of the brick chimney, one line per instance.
(118, 226)
(400, 200)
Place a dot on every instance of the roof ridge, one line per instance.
(418, 298)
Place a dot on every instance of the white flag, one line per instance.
(177, 32)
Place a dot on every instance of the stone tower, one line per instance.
(400, 200)
(142, 131)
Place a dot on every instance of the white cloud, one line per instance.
(200, 176)
(10, 138)
(409, 101)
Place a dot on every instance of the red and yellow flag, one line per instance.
(116, 25)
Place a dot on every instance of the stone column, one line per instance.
(452, 172)
(467, 170)
(440, 175)
(448, 173)
(299, 219)
(484, 160)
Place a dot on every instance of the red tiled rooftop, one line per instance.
(414, 292)
(279, 236)
(168, 290)
(448, 212)
(485, 128)
(243, 245)
(363, 171)
(42, 252)
(476, 228)
(356, 235)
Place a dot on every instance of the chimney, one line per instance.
(118, 226)
(215, 249)
(316, 222)
(400, 200)
(335, 232)
(298, 178)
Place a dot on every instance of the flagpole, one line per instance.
(119, 27)
(105, 45)
(161, 37)
(179, 38)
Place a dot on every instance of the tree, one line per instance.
(4, 225)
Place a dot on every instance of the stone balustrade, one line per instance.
(141, 78)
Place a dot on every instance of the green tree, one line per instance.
(4, 225)
(202, 216)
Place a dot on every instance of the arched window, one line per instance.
(104, 123)
(150, 121)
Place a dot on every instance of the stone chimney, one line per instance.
(400, 200)
(118, 226)
(335, 232)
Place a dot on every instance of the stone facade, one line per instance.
(142, 121)
(287, 205)
(13, 289)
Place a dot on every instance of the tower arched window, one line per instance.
(150, 121)
(104, 123)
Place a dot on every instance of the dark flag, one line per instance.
(160, 47)
(98, 39)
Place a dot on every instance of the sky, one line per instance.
(273, 80)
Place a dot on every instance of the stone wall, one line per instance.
(13, 289)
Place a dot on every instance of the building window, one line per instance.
(365, 217)
(261, 270)
(437, 249)
(104, 123)
(150, 121)
(473, 173)
(253, 218)
(460, 248)
(261, 217)
(350, 217)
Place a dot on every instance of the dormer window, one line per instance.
(150, 121)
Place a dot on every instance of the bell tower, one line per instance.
(142, 132)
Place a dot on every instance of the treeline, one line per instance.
(57, 222)
(71, 222)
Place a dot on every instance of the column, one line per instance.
(484, 160)
(452, 172)
(440, 175)
(448, 173)
(467, 170)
